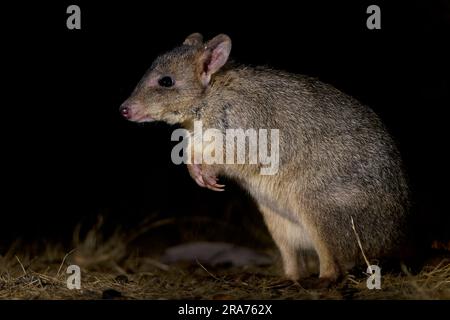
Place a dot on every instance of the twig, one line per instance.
(207, 270)
(360, 245)
(46, 277)
(63, 260)
(21, 265)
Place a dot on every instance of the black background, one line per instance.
(68, 156)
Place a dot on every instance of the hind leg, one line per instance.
(328, 253)
(329, 273)
(329, 267)
(290, 239)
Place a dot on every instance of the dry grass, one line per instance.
(110, 269)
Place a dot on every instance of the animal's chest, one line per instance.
(268, 192)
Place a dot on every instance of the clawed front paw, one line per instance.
(204, 178)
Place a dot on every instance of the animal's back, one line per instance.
(337, 161)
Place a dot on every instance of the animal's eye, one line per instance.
(166, 81)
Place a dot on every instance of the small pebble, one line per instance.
(122, 279)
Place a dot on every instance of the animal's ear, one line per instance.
(214, 56)
(194, 39)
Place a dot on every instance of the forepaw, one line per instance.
(204, 178)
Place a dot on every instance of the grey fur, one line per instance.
(337, 160)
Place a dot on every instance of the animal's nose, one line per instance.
(125, 111)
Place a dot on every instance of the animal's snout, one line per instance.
(135, 111)
(125, 111)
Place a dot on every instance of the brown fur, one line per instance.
(337, 161)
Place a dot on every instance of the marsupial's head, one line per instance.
(177, 81)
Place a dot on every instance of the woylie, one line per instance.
(337, 163)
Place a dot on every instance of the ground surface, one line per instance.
(44, 277)
(126, 265)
